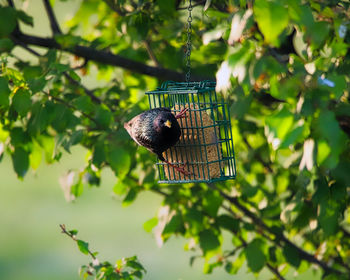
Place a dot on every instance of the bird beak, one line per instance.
(168, 123)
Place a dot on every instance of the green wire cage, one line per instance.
(205, 148)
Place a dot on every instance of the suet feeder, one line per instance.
(205, 148)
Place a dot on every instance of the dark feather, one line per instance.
(149, 129)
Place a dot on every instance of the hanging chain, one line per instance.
(189, 43)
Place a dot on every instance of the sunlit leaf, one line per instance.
(83, 246)
(272, 19)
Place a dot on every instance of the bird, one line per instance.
(157, 130)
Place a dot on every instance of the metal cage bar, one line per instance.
(205, 148)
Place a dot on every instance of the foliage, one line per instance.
(283, 67)
(124, 269)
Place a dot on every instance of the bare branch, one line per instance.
(106, 57)
(52, 18)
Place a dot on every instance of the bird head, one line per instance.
(167, 123)
(163, 122)
(128, 126)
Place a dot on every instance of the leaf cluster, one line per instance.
(283, 67)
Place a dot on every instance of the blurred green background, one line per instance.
(31, 245)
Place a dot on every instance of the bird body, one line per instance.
(156, 129)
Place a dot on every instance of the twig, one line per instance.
(70, 106)
(87, 91)
(52, 18)
(275, 271)
(151, 53)
(73, 237)
(234, 251)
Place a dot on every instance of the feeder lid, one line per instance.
(184, 87)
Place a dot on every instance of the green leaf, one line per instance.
(130, 197)
(21, 102)
(48, 145)
(194, 218)
(120, 188)
(328, 128)
(208, 241)
(6, 45)
(272, 19)
(279, 125)
(328, 217)
(19, 136)
(77, 189)
(31, 72)
(4, 92)
(173, 226)
(74, 76)
(292, 255)
(229, 223)
(84, 104)
(83, 246)
(26, 19)
(38, 120)
(255, 255)
(286, 89)
(120, 161)
(103, 117)
(211, 202)
(37, 84)
(340, 85)
(166, 7)
(98, 154)
(35, 156)
(234, 267)
(20, 161)
(150, 224)
(134, 264)
(7, 20)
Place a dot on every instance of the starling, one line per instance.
(157, 130)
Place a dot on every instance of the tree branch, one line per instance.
(52, 18)
(278, 235)
(105, 57)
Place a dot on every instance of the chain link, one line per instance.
(189, 43)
